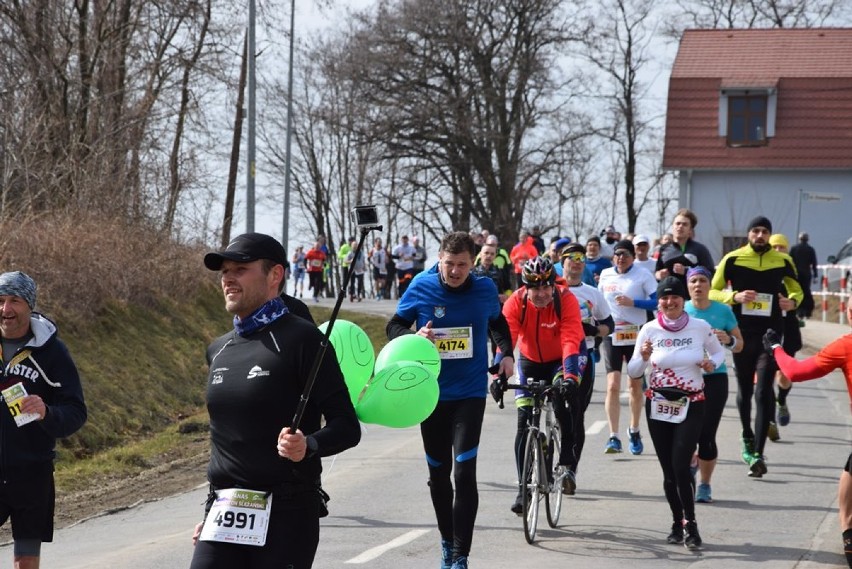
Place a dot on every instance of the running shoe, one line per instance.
(783, 415)
(635, 446)
(446, 554)
(757, 466)
(460, 562)
(518, 506)
(676, 536)
(748, 449)
(772, 433)
(569, 480)
(691, 538)
(702, 494)
(613, 445)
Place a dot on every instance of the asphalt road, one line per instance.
(381, 516)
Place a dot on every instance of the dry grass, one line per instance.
(80, 262)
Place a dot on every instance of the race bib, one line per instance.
(13, 395)
(454, 343)
(238, 516)
(316, 263)
(625, 334)
(760, 306)
(669, 411)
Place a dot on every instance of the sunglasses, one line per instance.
(533, 281)
(575, 256)
(621, 253)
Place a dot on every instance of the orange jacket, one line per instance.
(522, 252)
(542, 337)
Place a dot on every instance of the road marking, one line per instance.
(375, 552)
(596, 427)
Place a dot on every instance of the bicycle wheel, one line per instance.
(553, 506)
(531, 485)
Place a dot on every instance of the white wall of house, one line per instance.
(725, 201)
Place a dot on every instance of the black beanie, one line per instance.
(760, 221)
(671, 286)
(626, 244)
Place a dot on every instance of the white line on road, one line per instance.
(373, 553)
(596, 427)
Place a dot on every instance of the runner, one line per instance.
(758, 276)
(447, 299)
(544, 319)
(630, 292)
(683, 251)
(836, 355)
(597, 325)
(721, 318)
(298, 271)
(678, 348)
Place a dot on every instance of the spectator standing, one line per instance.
(356, 281)
(805, 258)
(39, 368)
(256, 375)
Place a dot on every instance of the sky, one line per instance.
(269, 212)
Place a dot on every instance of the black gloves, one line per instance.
(566, 384)
(771, 340)
(498, 387)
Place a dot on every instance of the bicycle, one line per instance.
(539, 475)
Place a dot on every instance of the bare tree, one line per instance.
(618, 46)
(463, 96)
(753, 14)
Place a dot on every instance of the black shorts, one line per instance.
(30, 504)
(615, 356)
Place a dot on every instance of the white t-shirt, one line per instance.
(593, 306)
(636, 283)
(649, 265)
(404, 256)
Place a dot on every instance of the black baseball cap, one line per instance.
(246, 248)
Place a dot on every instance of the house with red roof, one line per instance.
(759, 122)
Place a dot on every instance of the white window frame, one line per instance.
(771, 106)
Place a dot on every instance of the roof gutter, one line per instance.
(688, 189)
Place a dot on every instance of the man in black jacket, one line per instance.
(265, 501)
(42, 390)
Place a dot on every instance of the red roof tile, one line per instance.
(812, 70)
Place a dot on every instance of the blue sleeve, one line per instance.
(647, 304)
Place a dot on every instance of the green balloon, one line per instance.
(355, 354)
(410, 347)
(403, 394)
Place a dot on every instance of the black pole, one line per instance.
(309, 384)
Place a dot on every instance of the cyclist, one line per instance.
(544, 319)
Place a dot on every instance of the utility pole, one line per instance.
(250, 200)
(286, 223)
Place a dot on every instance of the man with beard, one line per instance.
(758, 276)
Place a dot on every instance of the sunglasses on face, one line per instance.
(622, 253)
(533, 281)
(576, 256)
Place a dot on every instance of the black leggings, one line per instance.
(451, 438)
(315, 279)
(716, 395)
(675, 445)
(528, 369)
(754, 359)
